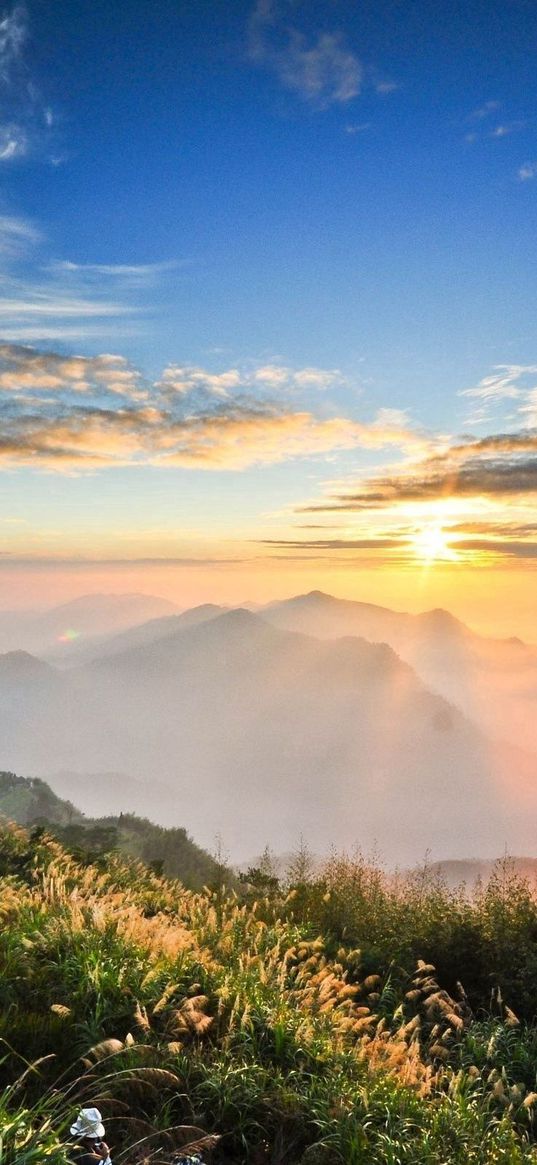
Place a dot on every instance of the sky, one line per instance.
(267, 302)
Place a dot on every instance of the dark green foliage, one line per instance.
(30, 801)
(485, 940)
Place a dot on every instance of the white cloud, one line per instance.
(321, 378)
(506, 129)
(392, 418)
(507, 382)
(323, 72)
(40, 332)
(184, 380)
(485, 125)
(279, 376)
(133, 272)
(320, 68)
(44, 304)
(17, 235)
(527, 172)
(386, 86)
(273, 375)
(13, 143)
(360, 128)
(528, 410)
(27, 125)
(13, 35)
(502, 384)
(485, 110)
(63, 297)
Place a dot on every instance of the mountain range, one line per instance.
(58, 633)
(297, 718)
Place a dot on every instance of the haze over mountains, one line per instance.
(314, 715)
(493, 680)
(57, 632)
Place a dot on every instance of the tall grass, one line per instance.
(323, 1023)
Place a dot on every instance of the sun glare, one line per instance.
(431, 544)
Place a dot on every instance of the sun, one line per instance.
(431, 544)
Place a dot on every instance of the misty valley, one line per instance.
(352, 724)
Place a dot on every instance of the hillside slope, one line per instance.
(30, 801)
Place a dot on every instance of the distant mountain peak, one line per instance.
(240, 615)
(111, 601)
(309, 599)
(439, 617)
(327, 603)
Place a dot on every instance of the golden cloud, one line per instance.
(99, 411)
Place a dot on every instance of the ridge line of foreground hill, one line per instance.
(29, 801)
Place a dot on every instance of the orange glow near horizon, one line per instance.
(497, 599)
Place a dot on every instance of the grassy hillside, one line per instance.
(30, 801)
(187, 1016)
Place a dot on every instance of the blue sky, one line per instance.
(400, 245)
(331, 204)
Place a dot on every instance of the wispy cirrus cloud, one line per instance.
(486, 110)
(501, 384)
(13, 35)
(485, 123)
(17, 237)
(27, 122)
(45, 303)
(81, 413)
(320, 68)
(13, 142)
(515, 383)
(43, 299)
(129, 274)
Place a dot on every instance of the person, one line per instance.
(91, 1148)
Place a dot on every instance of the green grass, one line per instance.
(299, 1028)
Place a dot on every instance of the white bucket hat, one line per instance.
(88, 1124)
